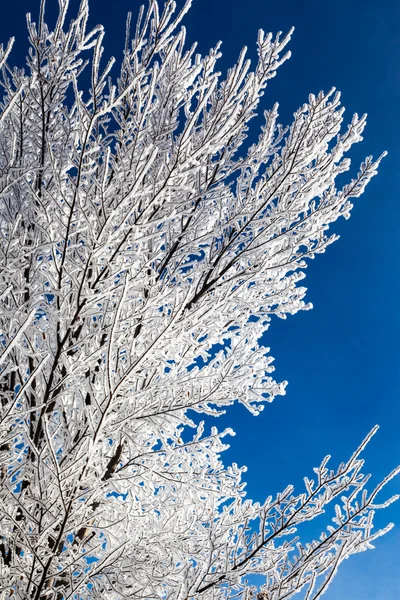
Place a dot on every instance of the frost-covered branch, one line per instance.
(144, 248)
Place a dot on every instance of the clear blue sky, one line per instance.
(342, 358)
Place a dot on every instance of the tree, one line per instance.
(144, 249)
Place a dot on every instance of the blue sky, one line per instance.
(341, 358)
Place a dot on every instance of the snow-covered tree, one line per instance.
(144, 249)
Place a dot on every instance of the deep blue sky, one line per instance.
(342, 358)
